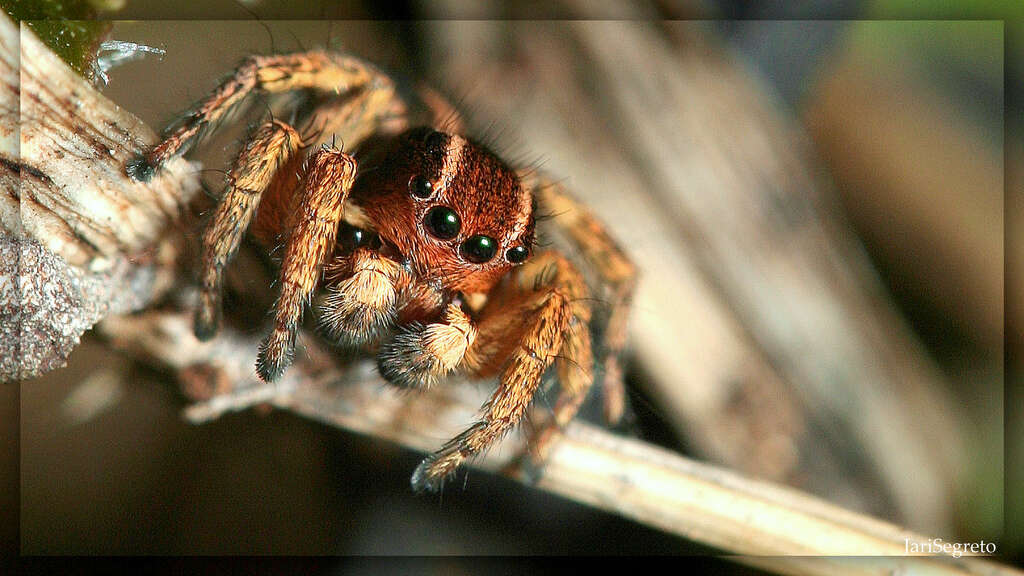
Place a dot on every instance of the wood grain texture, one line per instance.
(767, 525)
(90, 240)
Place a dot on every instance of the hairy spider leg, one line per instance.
(264, 184)
(318, 70)
(370, 104)
(617, 274)
(543, 296)
(363, 113)
(314, 227)
(271, 147)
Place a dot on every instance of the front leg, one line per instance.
(521, 332)
(326, 186)
(272, 146)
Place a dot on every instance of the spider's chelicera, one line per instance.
(421, 246)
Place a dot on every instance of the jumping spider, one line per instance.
(421, 245)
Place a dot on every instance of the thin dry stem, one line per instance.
(768, 525)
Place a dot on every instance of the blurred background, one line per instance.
(817, 210)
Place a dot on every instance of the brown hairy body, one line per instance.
(420, 243)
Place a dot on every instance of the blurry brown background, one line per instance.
(903, 126)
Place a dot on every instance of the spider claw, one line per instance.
(205, 324)
(207, 317)
(433, 471)
(421, 482)
(140, 169)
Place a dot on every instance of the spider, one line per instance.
(419, 245)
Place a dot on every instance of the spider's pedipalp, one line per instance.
(327, 184)
(419, 355)
(360, 308)
(271, 146)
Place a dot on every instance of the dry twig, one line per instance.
(768, 525)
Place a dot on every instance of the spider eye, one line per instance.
(479, 249)
(517, 255)
(350, 237)
(420, 187)
(442, 222)
(435, 139)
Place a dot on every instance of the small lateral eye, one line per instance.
(420, 187)
(435, 139)
(442, 222)
(517, 254)
(479, 249)
(350, 237)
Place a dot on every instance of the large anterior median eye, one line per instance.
(479, 249)
(442, 222)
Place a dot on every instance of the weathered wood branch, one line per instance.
(78, 238)
(768, 525)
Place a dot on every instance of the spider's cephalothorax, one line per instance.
(420, 247)
(453, 209)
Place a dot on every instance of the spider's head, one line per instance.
(454, 210)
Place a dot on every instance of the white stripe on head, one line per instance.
(453, 153)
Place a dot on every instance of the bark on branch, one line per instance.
(78, 238)
(770, 526)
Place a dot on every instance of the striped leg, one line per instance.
(326, 186)
(546, 293)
